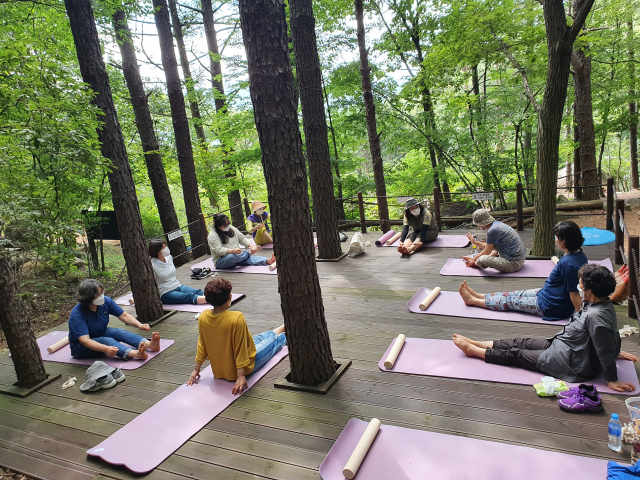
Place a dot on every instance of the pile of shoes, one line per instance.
(583, 398)
(200, 273)
(101, 376)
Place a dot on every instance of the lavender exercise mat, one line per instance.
(408, 454)
(173, 421)
(64, 354)
(381, 241)
(443, 241)
(451, 304)
(184, 307)
(441, 358)
(530, 269)
(208, 263)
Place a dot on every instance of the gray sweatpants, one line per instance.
(499, 263)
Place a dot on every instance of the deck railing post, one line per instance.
(247, 209)
(436, 206)
(519, 217)
(619, 259)
(633, 256)
(206, 231)
(363, 223)
(610, 203)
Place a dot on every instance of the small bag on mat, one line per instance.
(357, 245)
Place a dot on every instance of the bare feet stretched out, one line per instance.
(472, 291)
(468, 349)
(141, 353)
(271, 260)
(468, 298)
(154, 344)
(485, 345)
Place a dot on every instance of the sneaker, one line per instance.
(581, 402)
(206, 272)
(117, 375)
(103, 383)
(591, 389)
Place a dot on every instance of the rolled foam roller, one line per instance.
(355, 460)
(430, 298)
(394, 352)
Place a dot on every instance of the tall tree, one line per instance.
(123, 190)
(633, 110)
(264, 30)
(150, 147)
(372, 128)
(180, 129)
(315, 127)
(16, 326)
(235, 201)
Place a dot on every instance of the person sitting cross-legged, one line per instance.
(225, 340)
(588, 346)
(90, 335)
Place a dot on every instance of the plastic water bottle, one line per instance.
(615, 433)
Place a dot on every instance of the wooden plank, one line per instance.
(35, 467)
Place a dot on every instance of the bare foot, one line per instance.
(271, 260)
(468, 349)
(278, 330)
(154, 344)
(141, 353)
(466, 295)
(131, 301)
(485, 345)
(472, 291)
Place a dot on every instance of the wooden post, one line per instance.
(634, 247)
(619, 233)
(363, 223)
(206, 234)
(247, 209)
(610, 204)
(519, 218)
(436, 205)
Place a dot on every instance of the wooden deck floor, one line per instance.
(277, 434)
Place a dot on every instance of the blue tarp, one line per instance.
(595, 236)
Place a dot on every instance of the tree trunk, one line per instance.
(340, 203)
(264, 31)
(569, 169)
(372, 128)
(477, 109)
(16, 326)
(315, 127)
(560, 38)
(235, 200)
(577, 170)
(527, 155)
(144, 122)
(633, 111)
(584, 112)
(123, 190)
(181, 130)
(189, 83)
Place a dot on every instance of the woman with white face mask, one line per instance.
(224, 243)
(170, 290)
(419, 227)
(258, 224)
(90, 335)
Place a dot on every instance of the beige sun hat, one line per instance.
(482, 217)
(256, 204)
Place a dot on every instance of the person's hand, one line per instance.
(144, 326)
(254, 248)
(235, 251)
(627, 356)
(111, 351)
(240, 386)
(472, 240)
(470, 261)
(195, 375)
(260, 225)
(621, 386)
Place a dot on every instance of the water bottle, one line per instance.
(615, 433)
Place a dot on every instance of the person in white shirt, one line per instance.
(170, 290)
(224, 242)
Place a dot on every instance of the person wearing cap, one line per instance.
(419, 227)
(89, 331)
(258, 222)
(225, 340)
(559, 297)
(504, 249)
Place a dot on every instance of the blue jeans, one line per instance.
(267, 345)
(519, 300)
(112, 338)
(181, 295)
(231, 260)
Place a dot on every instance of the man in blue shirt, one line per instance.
(504, 250)
(90, 335)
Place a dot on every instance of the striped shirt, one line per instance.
(165, 274)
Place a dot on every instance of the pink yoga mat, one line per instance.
(530, 269)
(208, 263)
(184, 307)
(407, 454)
(64, 354)
(173, 420)
(441, 358)
(443, 241)
(451, 304)
(381, 241)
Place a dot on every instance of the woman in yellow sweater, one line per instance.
(225, 335)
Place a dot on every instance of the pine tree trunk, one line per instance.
(340, 203)
(189, 83)
(372, 128)
(123, 190)
(16, 326)
(633, 111)
(584, 114)
(315, 127)
(181, 130)
(560, 38)
(264, 31)
(144, 122)
(235, 201)
(577, 170)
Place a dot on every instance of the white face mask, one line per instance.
(99, 300)
(581, 292)
(415, 212)
(259, 212)
(227, 228)
(165, 251)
